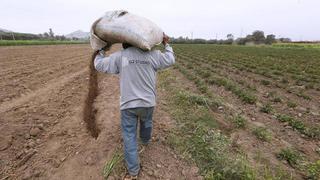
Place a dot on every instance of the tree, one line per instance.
(230, 37)
(46, 35)
(285, 40)
(258, 37)
(241, 41)
(51, 34)
(270, 39)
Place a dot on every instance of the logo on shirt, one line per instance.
(136, 61)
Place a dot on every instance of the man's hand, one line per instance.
(165, 39)
(106, 48)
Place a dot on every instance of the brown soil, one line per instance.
(44, 92)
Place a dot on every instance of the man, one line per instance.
(137, 69)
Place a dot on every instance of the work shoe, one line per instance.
(129, 177)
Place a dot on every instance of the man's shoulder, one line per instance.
(140, 51)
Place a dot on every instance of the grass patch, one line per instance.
(113, 164)
(267, 108)
(314, 170)
(243, 95)
(265, 82)
(304, 96)
(291, 156)
(277, 100)
(239, 121)
(294, 123)
(195, 99)
(262, 134)
(312, 132)
(291, 104)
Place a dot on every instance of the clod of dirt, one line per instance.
(194, 170)
(34, 131)
(31, 144)
(26, 158)
(5, 142)
(54, 162)
(111, 178)
(90, 160)
(150, 172)
(27, 175)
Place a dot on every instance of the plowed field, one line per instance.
(43, 96)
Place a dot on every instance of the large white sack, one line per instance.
(122, 26)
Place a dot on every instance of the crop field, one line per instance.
(297, 45)
(265, 100)
(223, 112)
(47, 93)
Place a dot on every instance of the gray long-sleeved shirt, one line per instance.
(137, 69)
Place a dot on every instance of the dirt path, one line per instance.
(43, 132)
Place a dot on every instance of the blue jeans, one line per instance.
(129, 122)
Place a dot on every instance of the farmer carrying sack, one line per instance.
(124, 27)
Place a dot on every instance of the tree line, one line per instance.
(257, 37)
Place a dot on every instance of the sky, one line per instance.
(209, 19)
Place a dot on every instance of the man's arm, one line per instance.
(165, 59)
(107, 64)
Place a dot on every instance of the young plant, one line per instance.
(291, 104)
(239, 121)
(314, 170)
(291, 156)
(262, 134)
(277, 100)
(265, 82)
(267, 108)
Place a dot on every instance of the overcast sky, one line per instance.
(297, 19)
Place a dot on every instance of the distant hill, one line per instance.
(11, 35)
(5, 30)
(78, 34)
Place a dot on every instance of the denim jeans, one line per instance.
(129, 123)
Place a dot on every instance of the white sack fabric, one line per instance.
(124, 27)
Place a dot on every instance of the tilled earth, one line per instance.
(43, 95)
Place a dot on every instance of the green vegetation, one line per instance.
(291, 156)
(314, 170)
(112, 164)
(265, 82)
(267, 108)
(259, 76)
(291, 104)
(197, 136)
(262, 133)
(36, 42)
(296, 45)
(312, 132)
(272, 63)
(239, 121)
(200, 100)
(277, 100)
